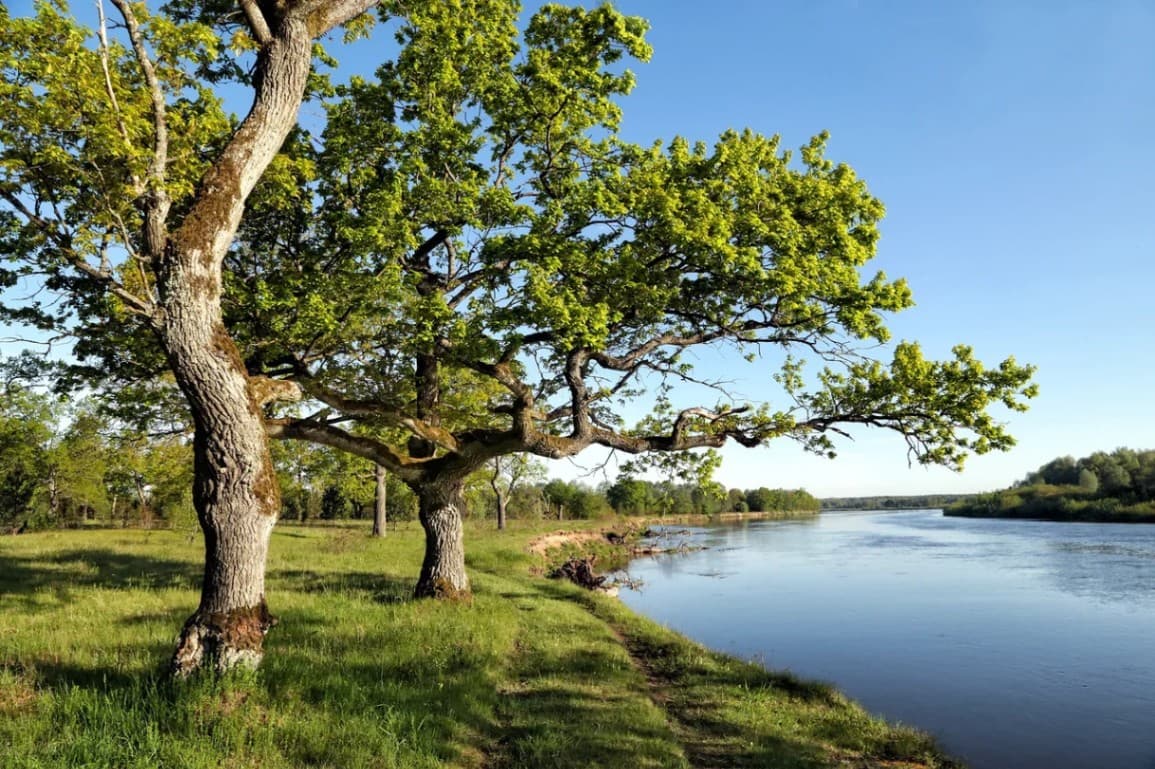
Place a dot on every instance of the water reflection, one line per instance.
(1020, 643)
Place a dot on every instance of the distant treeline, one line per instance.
(629, 496)
(69, 464)
(564, 500)
(911, 502)
(1116, 487)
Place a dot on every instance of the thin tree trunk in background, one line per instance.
(379, 502)
(501, 505)
(498, 492)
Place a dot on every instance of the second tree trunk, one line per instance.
(442, 505)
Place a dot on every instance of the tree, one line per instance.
(78, 464)
(1061, 471)
(559, 495)
(507, 475)
(630, 496)
(27, 423)
(124, 181)
(736, 501)
(479, 221)
(1088, 481)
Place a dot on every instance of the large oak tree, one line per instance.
(471, 222)
(122, 184)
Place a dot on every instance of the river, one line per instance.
(1019, 644)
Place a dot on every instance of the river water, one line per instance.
(1019, 644)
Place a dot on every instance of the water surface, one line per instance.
(1020, 644)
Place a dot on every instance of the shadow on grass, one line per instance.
(94, 567)
(381, 588)
(563, 726)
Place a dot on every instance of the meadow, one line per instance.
(531, 672)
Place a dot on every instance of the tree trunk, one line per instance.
(53, 497)
(235, 494)
(501, 502)
(442, 504)
(235, 491)
(379, 500)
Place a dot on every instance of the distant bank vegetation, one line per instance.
(1116, 487)
(909, 502)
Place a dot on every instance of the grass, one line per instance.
(530, 673)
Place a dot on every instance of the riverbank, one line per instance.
(530, 673)
(1024, 505)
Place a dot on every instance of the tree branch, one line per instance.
(133, 303)
(387, 413)
(325, 15)
(327, 435)
(257, 23)
(102, 34)
(157, 202)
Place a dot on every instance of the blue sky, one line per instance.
(1012, 143)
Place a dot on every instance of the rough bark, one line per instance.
(380, 499)
(441, 506)
(235, 491)
(235, 494)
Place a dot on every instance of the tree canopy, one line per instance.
(470, 214)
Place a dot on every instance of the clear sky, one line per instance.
(1013, 144)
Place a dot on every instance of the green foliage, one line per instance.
(568, 500)
(69, 464)
(632, 496)
(26, 430)
(906, 502)
(1119, 486)
(76, 141)
(317, 482)
(781, 500)
(1088, 481)
(468, 244)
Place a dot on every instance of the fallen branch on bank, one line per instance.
(581, 572)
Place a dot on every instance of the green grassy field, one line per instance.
(530, 673)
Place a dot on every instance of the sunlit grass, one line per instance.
(530, 673)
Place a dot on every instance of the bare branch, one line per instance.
(325, 15)
(387, 413)
(102, 33)
(328, 435)
(157, 204)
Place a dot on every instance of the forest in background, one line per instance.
(67, 464)
(1118, 486)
